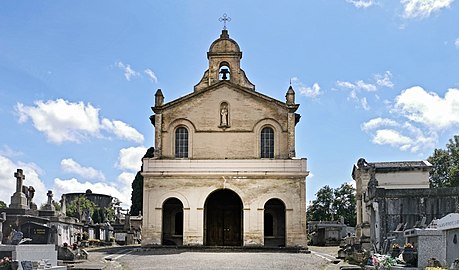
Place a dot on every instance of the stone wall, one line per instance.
(409, 206)
(253, 188)
(248, 114)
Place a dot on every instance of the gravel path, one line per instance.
(131, 259)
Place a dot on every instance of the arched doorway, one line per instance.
(274, 223)
(172, 222)
(223, 219)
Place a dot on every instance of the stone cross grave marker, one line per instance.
(19, 179)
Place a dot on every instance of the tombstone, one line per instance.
(86, 216)
(449, 225)
(38, 233)
(29, 193)
(16, 237)
(19, 199)
(48, 209)
(427, 243)
(49, 205)
(27, 265)
(127, 222)
(63, 205)
(2, 219)
(39, 255)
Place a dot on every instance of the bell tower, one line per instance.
(224, 64)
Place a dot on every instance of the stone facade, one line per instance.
(224, 170)
(389, 175)
(396, 196)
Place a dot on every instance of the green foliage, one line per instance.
(57, 206)
(331, 204)
(2, 205)
(344, 203)
(75, 208)
(137, 187)
(137, 195)
(321, 207)
(445, 165)
(102, 215)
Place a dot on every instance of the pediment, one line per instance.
(223, 86)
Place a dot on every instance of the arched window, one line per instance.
(181, 142)
(267, 143)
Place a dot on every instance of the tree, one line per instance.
(137, 195)
(344, 203)
(331, 204)
(445, 165)
(2, 204)
(137, 187)
(321, 207)
(75, 208)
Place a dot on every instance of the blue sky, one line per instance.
(375, 79)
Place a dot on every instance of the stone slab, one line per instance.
(31, 253)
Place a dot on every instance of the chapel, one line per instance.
(224, 171)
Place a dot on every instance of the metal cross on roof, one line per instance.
(224, 19)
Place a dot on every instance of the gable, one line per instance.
(245, 109)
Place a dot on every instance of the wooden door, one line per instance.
(223, 218)
(232, 227)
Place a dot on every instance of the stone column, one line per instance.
(158, 135)
(2, 219)
(291, 134)
(359, 208)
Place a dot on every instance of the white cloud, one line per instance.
(360, 87)
(126, 178)
(9, 152)
(307, 91)
(379, 122)
(122, 130)
(128, 71)
(151, 75)
(391, 137)
(61, 120)
(131, 158)
(429, 109)
(71, 166)
(117, 190)
(423, 8)
(381, 80)
(313, 91)
(362, 3)
(384, 80)
(64, 121)
(456, 43)
(364, 104)
(32, 178)
(425, 115)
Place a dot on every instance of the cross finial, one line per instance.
(224, 19)
(19, 179)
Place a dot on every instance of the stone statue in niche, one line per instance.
(224, 114)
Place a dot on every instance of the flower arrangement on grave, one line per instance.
(408, 246)
(395, 250)
(381, 262)
(409, 254)
(5, 263)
